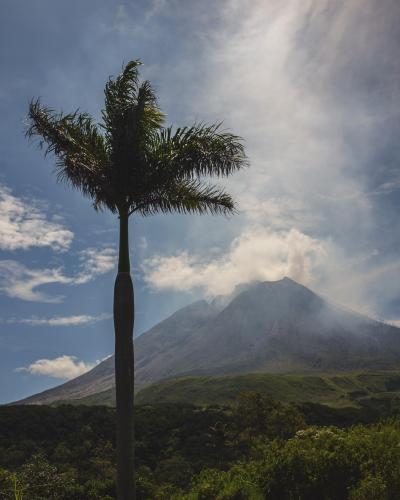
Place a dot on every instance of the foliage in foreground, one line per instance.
(259, 449)
(361, 463)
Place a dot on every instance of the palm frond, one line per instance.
(187, 196)
(130, 116)
(121, 92)
(79, 147)
(191, 152)
(150, 116)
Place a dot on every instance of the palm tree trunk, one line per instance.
(124, 368)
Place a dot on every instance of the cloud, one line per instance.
(254, 255)
(78, 320)
(297, 134)
(23, 224)
(95, 262)
(19, 281)
(393, 322)
(63, 367)
(313, 88)
(361, 282)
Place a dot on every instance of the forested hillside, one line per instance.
(256, 448)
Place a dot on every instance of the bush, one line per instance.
(361, 463)
(370, 488)
(256, 415)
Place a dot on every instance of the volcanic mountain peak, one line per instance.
(270, 326)
(221, 301)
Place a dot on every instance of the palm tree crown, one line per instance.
(131, 162)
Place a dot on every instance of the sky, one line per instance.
(312, 86)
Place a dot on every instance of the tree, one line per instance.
(260, 415)
(131, 164)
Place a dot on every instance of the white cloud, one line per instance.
(306, 85)
(360, 281)
(94, 262)
(63, 367)
(19, 281)
(266, 85)
(255, 255)
(393, 322)
(23, 224)
(78, 320)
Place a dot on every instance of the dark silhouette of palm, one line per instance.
(132, 164)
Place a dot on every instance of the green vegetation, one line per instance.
(255, 448)
(358, 390)
(362, 463)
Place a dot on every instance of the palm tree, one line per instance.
(131, 164)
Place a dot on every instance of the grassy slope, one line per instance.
(341, 390)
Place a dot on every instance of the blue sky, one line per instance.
(312, 86)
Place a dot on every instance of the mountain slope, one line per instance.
(162, 338)
(339, 390)
(281, 326)
(268, 327)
